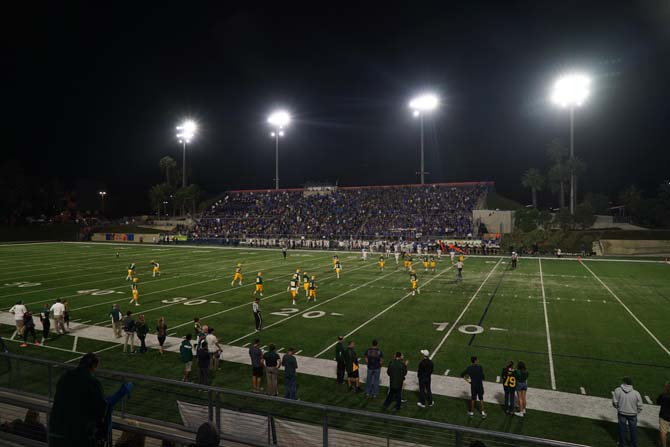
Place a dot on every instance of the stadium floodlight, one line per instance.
(187, 131)
(278, 120)
(420, 105)
(571, 91)
(102, 195)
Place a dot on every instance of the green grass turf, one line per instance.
(595, 340)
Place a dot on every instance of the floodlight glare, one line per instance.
(571, 90)
(187, 131)
(424, 103)
(279, 119)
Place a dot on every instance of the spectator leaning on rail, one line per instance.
(628, 403)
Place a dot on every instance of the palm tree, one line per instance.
(577, 166)
(167, 165)
(534, 180)
(158, 194)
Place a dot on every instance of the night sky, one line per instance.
(92, 92)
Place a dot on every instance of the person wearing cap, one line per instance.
(425, 371)
(397, 370)
(628, 404)
(663, 401)
(340, 360)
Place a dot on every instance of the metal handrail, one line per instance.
(324, 409)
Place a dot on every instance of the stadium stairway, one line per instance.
(558, 402)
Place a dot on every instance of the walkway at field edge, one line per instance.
(558, 402)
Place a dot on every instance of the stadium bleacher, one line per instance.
(334, 213)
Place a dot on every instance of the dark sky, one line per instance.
(93, 91)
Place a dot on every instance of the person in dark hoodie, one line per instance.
(425, 371)
(628, 403)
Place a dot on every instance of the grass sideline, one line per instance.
(594, 338)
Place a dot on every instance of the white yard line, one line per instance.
(74, 345)
(467, 306)
(446, 373)
(298, 351)
(658, 342)
(497, 379)
(648, 399)
(582, 390)
(552, 374)
(379, 314)
(47, 347)
(315, 306)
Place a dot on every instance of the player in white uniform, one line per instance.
(452, 253)
(397, 258)
(365, 254)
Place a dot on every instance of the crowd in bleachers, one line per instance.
(387, 212)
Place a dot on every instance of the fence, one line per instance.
(172, 410)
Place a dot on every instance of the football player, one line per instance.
(259, 284)
(237, 276)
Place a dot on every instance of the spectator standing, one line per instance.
(521, 387)
(197, 327)
(117, 317)
(397, 370)
(18, 310)
(374, 358)
(340, 359)
(424, 375)
(508, 379)
(129, 330)
(28, 329)
(214, 348)
(142, 329)
(79, 406)
(271, 362)
(161, 333)
(663, 401)
(290, 367)
(256, 355)
(628, 403)
(46, 322)
(58, 311)
(204, 358)
(352, 368)
(474, 374)
(186, 357)
(66, 314)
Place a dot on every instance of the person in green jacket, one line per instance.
(79, 406)
(397, 370)
(186, 357)
(339, 359)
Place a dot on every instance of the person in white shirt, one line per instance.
(214, 348)
(18, 310)
(58, 311)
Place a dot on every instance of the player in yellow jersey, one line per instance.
(305, 283)
(414, 282)
(338, 268)
(312, 289)
(136, 293)
(381, 263)
(131, 272)
(237, 276)
(335, 259)
(156, 269)
(259, 284)
(461, 258)
(293, 288)
(425, 263)
(432, 263)
(405, 260)
(409, 263)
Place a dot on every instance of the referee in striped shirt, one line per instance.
(258, 318)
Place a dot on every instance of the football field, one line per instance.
(578, 326)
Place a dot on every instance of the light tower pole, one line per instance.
(278, 120)
(571, 91)
(421, 105)
(186, 133)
